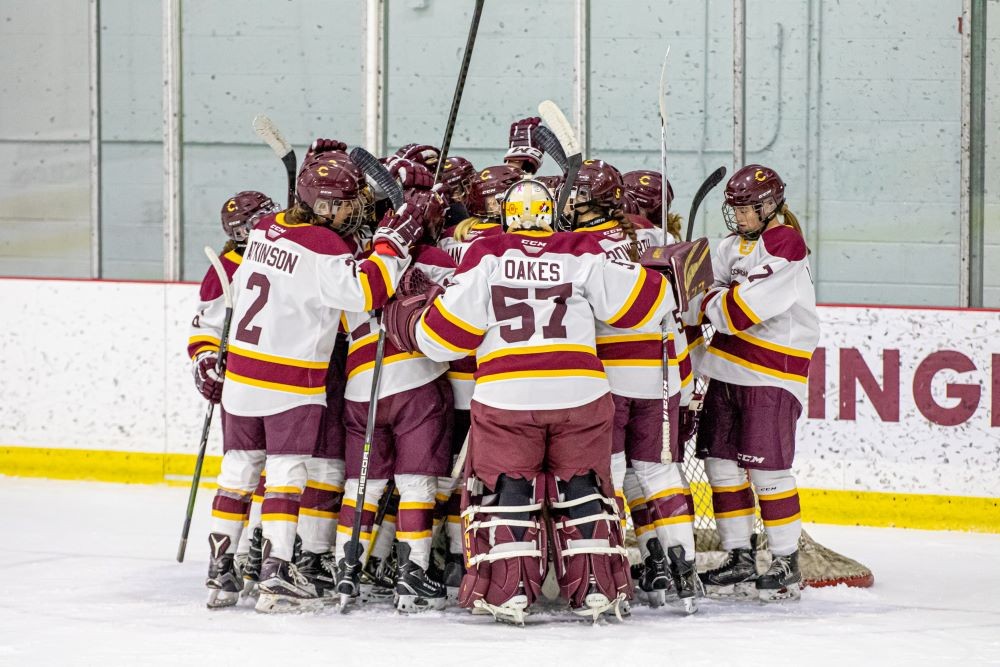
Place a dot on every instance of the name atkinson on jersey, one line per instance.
(271, 255)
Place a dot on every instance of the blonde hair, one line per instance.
(793, 222)
(633, 249)
(674, 225)
(463, 228)
(300, 214)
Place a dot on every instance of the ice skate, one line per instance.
(596, 605)
(320, 571)
(685, 578)
(454, 570)
(377, 580)
(512, 612)
(224, 581)
(284, 589)
(251, 569)
(653, 582)
(735, 578)
(415, 590)
(782, 579)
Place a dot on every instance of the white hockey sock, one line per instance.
(779, 509)
(415, 521)
(321, 503)
(373, 492)
(668, 503)
(286, 478)
(237, 480)
(732, 502)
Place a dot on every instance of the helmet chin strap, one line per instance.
(764, 222)
(601, 218)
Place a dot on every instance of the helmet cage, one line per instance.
(362, 211)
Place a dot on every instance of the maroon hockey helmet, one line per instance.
(425, 154)
(598, 184)
(753, 185)
(242, 211)
(457, 174)
(646, 189)
(487, 189)
(334, 188)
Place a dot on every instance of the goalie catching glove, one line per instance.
(206, 377)
(688, 265)
(414, 295)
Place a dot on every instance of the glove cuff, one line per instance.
(527, 153)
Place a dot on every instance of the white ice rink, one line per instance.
(91, 580)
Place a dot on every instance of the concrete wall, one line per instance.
(856, 104)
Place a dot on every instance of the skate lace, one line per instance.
(297, 577)
(779, 566)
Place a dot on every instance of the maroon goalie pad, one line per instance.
(494, 573)
(688, 265)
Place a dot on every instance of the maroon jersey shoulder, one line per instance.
(785, 242)
(318, 239)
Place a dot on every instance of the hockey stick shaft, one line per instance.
(556, 119)
(710, 182)
(220, 369)
(550, 144)
(383, 508)
(664, 202)
(456, 99)
(370, 165)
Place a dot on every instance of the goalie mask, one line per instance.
(486, 191)
(754, 195)
(597, 191)
(242, 211)
(527, 204)
(645, 188)
(335, 190)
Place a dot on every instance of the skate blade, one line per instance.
(597, 605)
(452, 594)
(655, 598)
(789, 592)
(414, 604)
(271, 603)
(687, 606)
(376, 594)
(251, 591)
(745, 590)
(219, 599)
(512, 613)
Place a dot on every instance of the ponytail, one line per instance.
(674, 225)
(792, 221)
(623, 221)
(301, 214)
(463, 228)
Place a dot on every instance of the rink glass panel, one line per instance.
(300, 63)
(524, 53)
(44, 133)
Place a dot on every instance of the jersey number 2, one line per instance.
(244, 332)
(522, 310)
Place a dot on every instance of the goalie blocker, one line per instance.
(688, 265)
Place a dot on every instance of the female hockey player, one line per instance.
(231, 506)
(763, 308)
(542, 412)
(412, 440)
(296, 277)
(655, 487)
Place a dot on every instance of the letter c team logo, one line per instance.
(231, 205)
(644, 180)
(759, 175)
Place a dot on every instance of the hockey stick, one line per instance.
(220, 369)
(370, 165)
(456, 99)
(551, 146)
(266, 130)
(664, 203)
(713, 179)
(352, 550)
(556, 119)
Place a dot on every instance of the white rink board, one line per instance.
(102, 365)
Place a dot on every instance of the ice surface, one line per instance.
(91, 579)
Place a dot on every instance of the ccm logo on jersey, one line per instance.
(530, 270)
(270, 255)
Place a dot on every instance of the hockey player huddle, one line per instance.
(548, 356)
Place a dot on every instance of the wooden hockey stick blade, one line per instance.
(556, 119)
(227, 289)
(551, 146)
(265, 129)
(713, 179)
(372, 167)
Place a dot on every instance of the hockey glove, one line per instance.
(402, 314)
(420, 153)
(399, 230)
(411, 174)
(524, 145)
(206, 378)
(322, 146)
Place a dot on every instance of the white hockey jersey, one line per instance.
(461, 371)
(289, 292)
(526, 302)
(206, 327)
(763, 308)
(400, 370)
